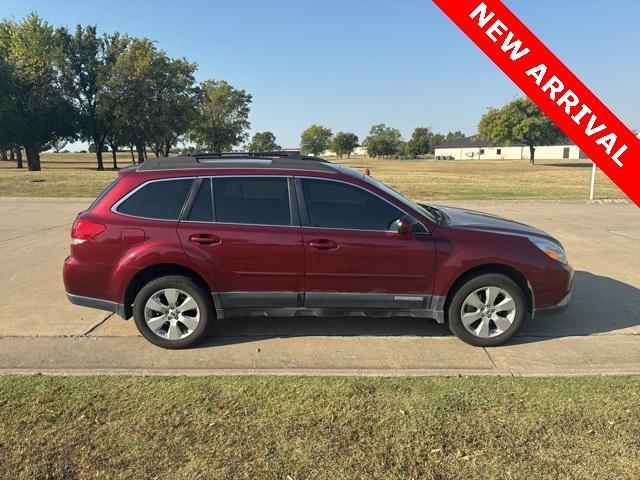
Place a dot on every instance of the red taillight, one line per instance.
(84, 229)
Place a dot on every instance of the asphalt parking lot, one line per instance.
(599, 333)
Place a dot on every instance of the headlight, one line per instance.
(552, 249)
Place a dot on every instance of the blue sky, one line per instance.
(351, 64)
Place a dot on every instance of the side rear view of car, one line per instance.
(176, 243)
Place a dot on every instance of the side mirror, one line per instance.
(407, 225)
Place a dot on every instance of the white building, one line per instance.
(473, 148)
(357, 152)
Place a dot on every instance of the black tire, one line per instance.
(201, 296)
(454, 311)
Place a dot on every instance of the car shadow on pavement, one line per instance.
(246, 329)
(599, 305)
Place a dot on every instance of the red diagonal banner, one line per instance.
(552, 86)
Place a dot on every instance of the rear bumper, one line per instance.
(98, 303)
(560, 307)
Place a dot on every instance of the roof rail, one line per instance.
(257, 155)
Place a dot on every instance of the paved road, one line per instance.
(599, 333)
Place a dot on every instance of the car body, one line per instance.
(279, 234)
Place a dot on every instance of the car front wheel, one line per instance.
(173, 311)
(487, 310)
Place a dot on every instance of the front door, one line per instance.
(354, 257)
(243, 231)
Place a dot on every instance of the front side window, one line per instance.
(161, 200)
(252, 201)
(339, 205)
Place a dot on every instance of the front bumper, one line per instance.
(560, 307)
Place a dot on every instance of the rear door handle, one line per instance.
(323, 244)
(204, 239)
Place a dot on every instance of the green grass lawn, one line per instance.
(319, 428)
(74, 175)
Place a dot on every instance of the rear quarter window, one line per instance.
(104, 193)
(159, 199)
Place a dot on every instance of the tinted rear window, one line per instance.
(202, 208)
(162, 200)
(254, 201)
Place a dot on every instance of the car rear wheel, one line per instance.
(487, 310)
(173, 311)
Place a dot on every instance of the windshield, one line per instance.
(401, 198)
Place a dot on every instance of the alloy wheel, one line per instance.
(172, 314)
(488, 312)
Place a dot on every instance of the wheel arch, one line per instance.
(514, 274)
(152, 272)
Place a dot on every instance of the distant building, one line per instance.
(357, 152)
(474, 148)
(292, 151)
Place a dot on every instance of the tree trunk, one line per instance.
(140, 150)
(99, 158)
(3, 154)
(18, 153)
(114, 154)
(12, 153)
(133, 158)
(155, 149)
(33, 157)
(99, 147)
(167, 148)
(532, 155)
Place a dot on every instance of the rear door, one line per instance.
(245, 231)
(354, 257)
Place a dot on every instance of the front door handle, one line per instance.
(323, 244)
(204, 239)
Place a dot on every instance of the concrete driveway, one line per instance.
(600, 332)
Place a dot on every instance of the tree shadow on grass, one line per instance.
(570, 165)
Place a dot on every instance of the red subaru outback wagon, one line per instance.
(179, 242)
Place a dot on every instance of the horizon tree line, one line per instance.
(117, 92)
(109, 90)
(382, 142)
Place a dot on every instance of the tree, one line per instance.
(116, 138)
(152, 97)
(175, 108)
(344, 143)
(436, 139)
(33, 49)
(8, 112)
(93, 148)
(315, 139)
(58, 145)
(453, 136)
(222, 117)
(86, 65)
(263, 142)
(383, 141)
(420, 143)
(519, 121)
